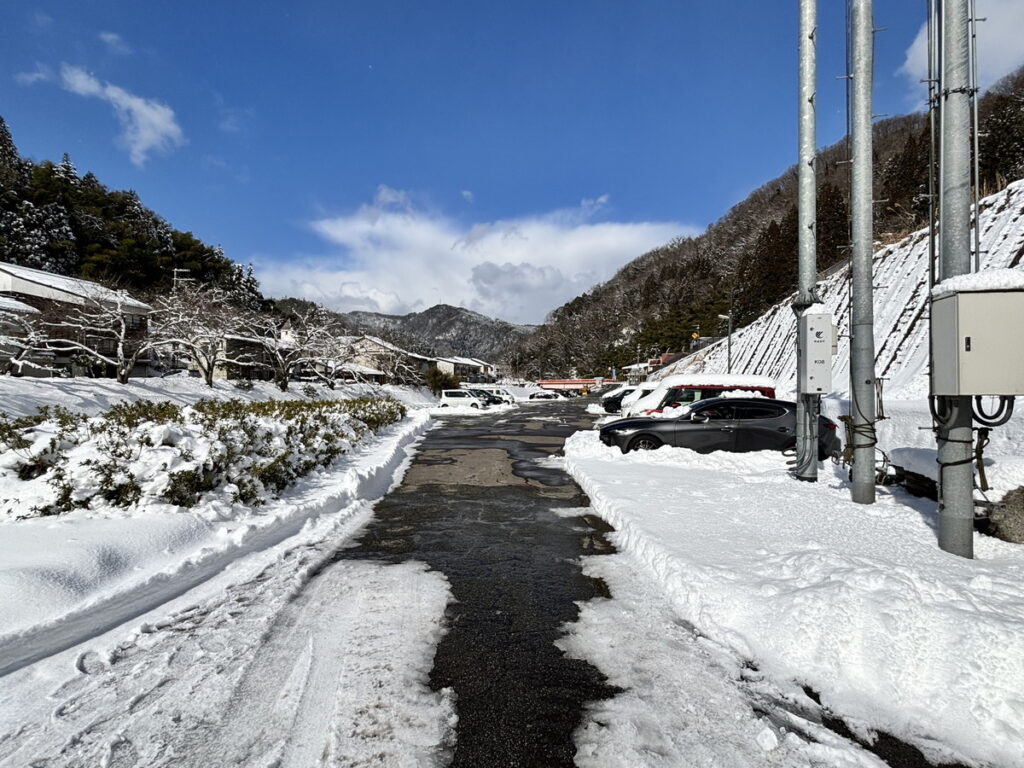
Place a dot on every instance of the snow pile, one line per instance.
(146, 454)
(466, 410)
(855, 601)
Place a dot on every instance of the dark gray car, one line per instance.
(722, 424)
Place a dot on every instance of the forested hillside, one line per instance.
(747, 259)
(53, 219)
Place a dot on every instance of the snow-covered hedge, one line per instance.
(145, 453)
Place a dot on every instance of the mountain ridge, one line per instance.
(444, 329)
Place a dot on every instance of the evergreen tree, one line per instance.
(13, 170)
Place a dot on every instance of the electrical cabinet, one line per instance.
(977, 343)
(816, 337)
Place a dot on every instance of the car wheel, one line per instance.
(644, 443)
(444, 405)
(473, 405)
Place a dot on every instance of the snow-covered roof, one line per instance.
(636, 366)
(362, 370)
(986, 280)
(716, 380)
(388, 345)
(74, 286)
(466, 361)
(7, 304)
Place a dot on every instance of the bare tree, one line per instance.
(297, 341)
(22, 335)
(333, 352)
(197, 322)
(109, 327)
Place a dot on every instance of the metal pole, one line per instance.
(729, 345)
(956, 473)
(728, 342)
(976, 196)
(933, 108)
(806, 405)
(862, 341)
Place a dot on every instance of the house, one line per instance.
(52, 295)
(467, 369)
(398, 365)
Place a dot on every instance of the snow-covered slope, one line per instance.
(767, 346)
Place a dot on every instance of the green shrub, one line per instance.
(261, 448)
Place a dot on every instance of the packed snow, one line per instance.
(986, 280)
(857, 602)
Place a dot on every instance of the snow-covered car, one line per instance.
(632, 394)
(485, 397)
(721, 424)
(544, 394)
(682, 389)
(460, 398)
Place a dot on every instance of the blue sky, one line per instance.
(391, 155)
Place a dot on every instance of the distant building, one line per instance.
(396, 364)
(48, 293)
(466, 368)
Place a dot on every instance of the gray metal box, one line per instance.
(977, 341)
(815, 329)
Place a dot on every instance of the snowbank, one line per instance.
(70, 577)
(21, 396)
(855, 601)
(465, 410)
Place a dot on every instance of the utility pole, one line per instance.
(175, 279)
(807, 405)
(862, 332)
(728, 365)
(954, 435)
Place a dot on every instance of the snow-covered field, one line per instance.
(856, 602)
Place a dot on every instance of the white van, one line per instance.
(460, 398)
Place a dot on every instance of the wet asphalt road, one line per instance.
(476, 506)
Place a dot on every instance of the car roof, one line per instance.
(745, 401)
(735, 380)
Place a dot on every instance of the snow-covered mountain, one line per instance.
(445, 329)
(767, 346)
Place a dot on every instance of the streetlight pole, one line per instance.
(728, 341)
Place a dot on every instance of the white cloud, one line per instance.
(146, 125)
(999, 46)
(468, 196)
(395, 258)
(41, 73)
(232, 119)
(115, 43)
